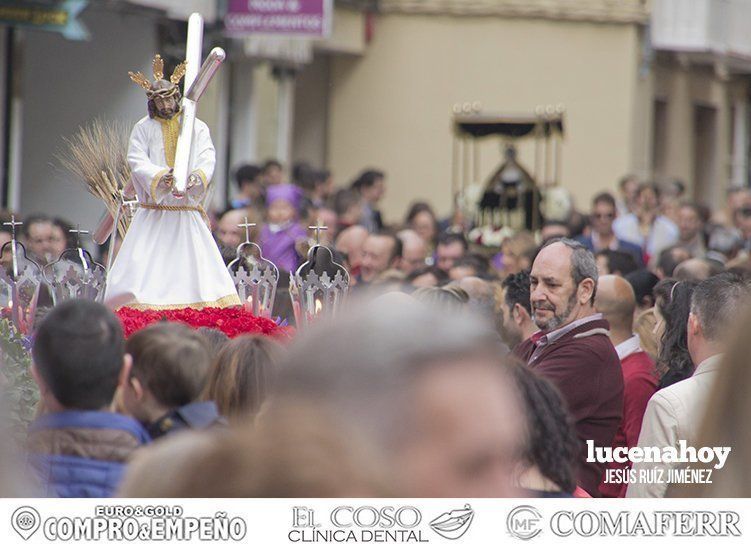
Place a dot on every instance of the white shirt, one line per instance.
(674, 413)
(663, 233)
(628, 347)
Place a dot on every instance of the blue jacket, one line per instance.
(81, 453)
(623, 245)
(196, 415)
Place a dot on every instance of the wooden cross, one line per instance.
(130, 204)
(78, 232)
(318, 228)
(247, 226)
(13, 224)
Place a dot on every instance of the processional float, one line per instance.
(97, 156)
(511, 198)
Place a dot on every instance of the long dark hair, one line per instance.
(673, 300)
(551, 441)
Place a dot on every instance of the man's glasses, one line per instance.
(745, 212)
(603, 215)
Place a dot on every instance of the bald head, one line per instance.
(693, 269)
(350, 242)
(351, 236)
(616, 301)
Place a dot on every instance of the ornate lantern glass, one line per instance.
(255, 279)
(319, 287)
(20, 281)
(75, 275)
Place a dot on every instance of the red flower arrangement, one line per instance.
(231, 321)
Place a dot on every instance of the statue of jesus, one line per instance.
(168, 257)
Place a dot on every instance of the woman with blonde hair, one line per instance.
(241, 375)
(644, 326)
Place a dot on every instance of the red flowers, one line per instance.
(231, 321)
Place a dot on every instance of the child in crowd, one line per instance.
(79, 447)
(282, 230)
(170, 367)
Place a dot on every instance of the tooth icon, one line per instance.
(452, 525)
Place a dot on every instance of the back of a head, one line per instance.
(620, 262)
(363, 363)
(616, 301)
(242, 375)
(551, 440)
(295, 450)
(172, 361)
(670, 258)
(696, 269)
(718, 301)
(78, 352)
(214, 338)
(517, 291)
(482, 297)
(673, 301)
(643, 282)
(450, 298)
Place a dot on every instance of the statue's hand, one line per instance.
(193, 180)
(194, 188)
(168, 179)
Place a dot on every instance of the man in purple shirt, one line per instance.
(573, 349)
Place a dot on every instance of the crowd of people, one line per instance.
(456, 370)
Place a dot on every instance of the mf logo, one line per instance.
(524, 522)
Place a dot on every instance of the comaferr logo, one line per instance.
(524, 522)
(639, 523)
(452, 525)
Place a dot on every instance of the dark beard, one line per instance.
(557, 320)
(167, 115)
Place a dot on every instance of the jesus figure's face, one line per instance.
(166, 107)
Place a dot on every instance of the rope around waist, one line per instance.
(169, 208)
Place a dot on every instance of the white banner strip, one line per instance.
(284, 521)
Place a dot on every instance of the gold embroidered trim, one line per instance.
(224, 302)
(168, 208)
(170, 132)
(204, 179)
(155, 182)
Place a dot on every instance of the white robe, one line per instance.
(168, 258)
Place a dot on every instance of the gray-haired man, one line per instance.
(675, 413)
(573, 349)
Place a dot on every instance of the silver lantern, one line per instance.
(75, 274)
(255, 278)
(320, 286)
(20, 282)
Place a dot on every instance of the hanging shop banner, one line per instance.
(308, 18)
(54, 16)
